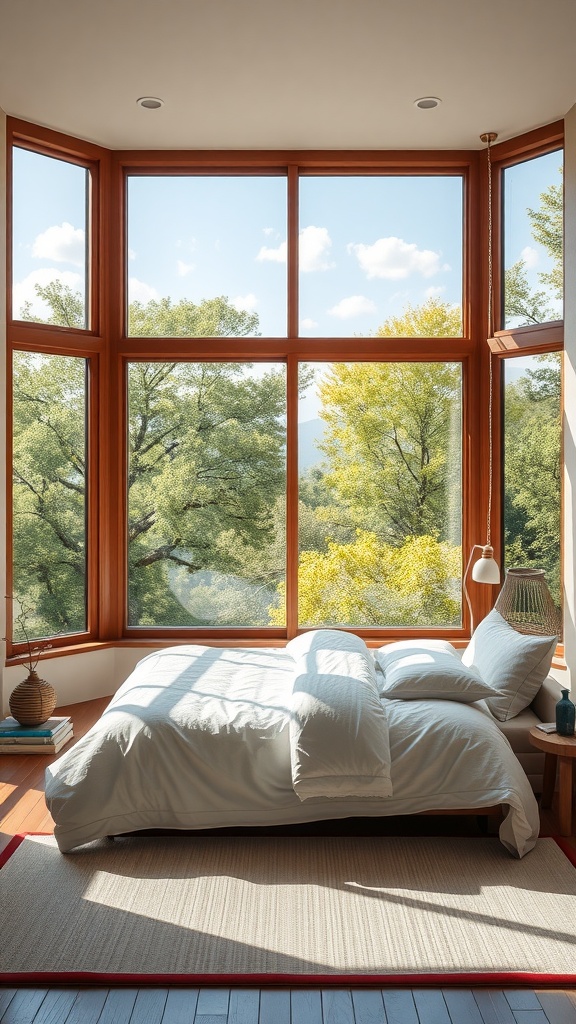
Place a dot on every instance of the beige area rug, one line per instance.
(288, 909)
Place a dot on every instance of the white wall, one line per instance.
(570, 393)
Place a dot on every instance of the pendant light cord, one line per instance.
(489, 137)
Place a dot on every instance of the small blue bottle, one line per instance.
(565, 715)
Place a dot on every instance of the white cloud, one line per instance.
(393, 258)
(62, 243)
(354, 305)
(131, 254)
(246, 303)
(24, 291)
(530, 256)
(314, 246)
(308, 324)
(278, 255)
(434, 291)
(184, 268)
(138, 291)
(268, 231)
(314, 249)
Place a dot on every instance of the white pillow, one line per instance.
(428, 670)
(514, 664)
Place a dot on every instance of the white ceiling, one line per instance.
(288, 74)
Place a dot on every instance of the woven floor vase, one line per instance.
(32, 701)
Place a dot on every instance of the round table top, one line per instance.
(552, 743)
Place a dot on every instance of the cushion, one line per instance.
(428, 670)
(514, 664)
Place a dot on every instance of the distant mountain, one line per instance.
(310, 434)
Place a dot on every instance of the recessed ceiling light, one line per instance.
(150, 102)
(427, 102)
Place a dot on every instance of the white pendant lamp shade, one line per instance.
(485, 569)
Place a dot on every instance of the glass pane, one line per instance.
(532, 466)
(380, 494)
(380, 256)
(533, 241)
(206, 502)
(49, 509)
(50, 250)
(207, 256)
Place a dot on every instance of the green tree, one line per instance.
(388, 491)
(532, 475)
(49, 463)
(523, 303)
(206, 476)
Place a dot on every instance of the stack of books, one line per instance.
(47, 738)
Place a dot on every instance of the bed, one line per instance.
(200, 737)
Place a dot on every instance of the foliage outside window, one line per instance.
(380, 496)
(533, 241)
(532, 466)
(49, 492)
(206, 494)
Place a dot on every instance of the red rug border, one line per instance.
(463, 979)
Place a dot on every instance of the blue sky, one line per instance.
(369, 246)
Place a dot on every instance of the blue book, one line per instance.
(10, 727)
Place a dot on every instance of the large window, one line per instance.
(285, 423)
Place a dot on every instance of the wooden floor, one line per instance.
(22, 809)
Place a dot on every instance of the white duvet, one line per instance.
(202, 737)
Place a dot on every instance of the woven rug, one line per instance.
(288, 910)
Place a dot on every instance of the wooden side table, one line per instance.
(560, 752)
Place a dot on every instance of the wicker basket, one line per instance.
(526, 603)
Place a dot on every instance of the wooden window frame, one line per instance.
(109, 349)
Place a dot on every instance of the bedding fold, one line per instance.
(339, 742)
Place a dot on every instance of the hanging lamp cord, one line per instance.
(489, 137)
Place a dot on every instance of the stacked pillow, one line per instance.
(500, 665)
(428, 670)
(514, 664)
